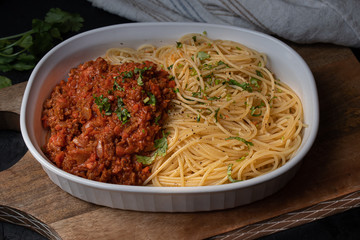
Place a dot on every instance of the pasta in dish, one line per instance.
(232, 120)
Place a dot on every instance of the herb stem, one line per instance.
(17, 35)
(14, 54)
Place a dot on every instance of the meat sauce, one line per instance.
(103, 116)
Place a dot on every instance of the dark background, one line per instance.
(16, 17)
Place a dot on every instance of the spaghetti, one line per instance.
(232, 119)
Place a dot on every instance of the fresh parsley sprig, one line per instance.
(161, 146)
(22, 51)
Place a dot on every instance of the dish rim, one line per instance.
(171, 190)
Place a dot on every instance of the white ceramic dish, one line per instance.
(54, 66)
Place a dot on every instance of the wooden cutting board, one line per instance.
(331, 169)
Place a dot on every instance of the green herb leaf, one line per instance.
(121, 112)
(157, 119)
(35, 42)
(152, 100)
(241, 159)
(116, 86)
(141, 72)
(254, 81)
(216, 114)
(245, 86)
(103, 104)
(196, 94)
(178, 44)
(229, 171)
(127, 74)
(64, 21)
(241, 139)
(253, 109)
(145, 159)
(161, 146)
(213, 98)
(203, 55)
(198, 118)
(146, 99)
(139, 80)
(259, 73)
(5, 82)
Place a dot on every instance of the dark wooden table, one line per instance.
(321, 202)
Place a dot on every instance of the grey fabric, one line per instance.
(302, 21)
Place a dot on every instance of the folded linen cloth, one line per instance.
(307, 21)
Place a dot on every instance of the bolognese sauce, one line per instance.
(103, 116)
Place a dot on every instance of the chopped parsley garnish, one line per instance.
(198, 118)
(141, 72)
(103, 104)
(194, 38)
(203, 55)
(217, 81)
(121, 112)
(116, 86)
(193, 72)
(254, 81)
(216, 114)
(253, 110)
(196, 94)
(213, 98)
(245, 86)
(178, 44)
(240, 139)
(127, 74)
(259, 73)
(241, 159)
(146, 99)
(161, 146)
(152, 99)
(229, 170)
(207, 66)
(157, 119)
(219, 63)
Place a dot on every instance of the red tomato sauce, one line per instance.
(103, 116)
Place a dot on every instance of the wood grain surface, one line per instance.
(329, 170)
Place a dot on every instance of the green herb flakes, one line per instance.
(229, 171)
(161, 146)
(244, 86)
(203, 55)
(103, 104)
(121, 112)
(240, 139)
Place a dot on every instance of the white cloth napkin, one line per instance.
(301, 21)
